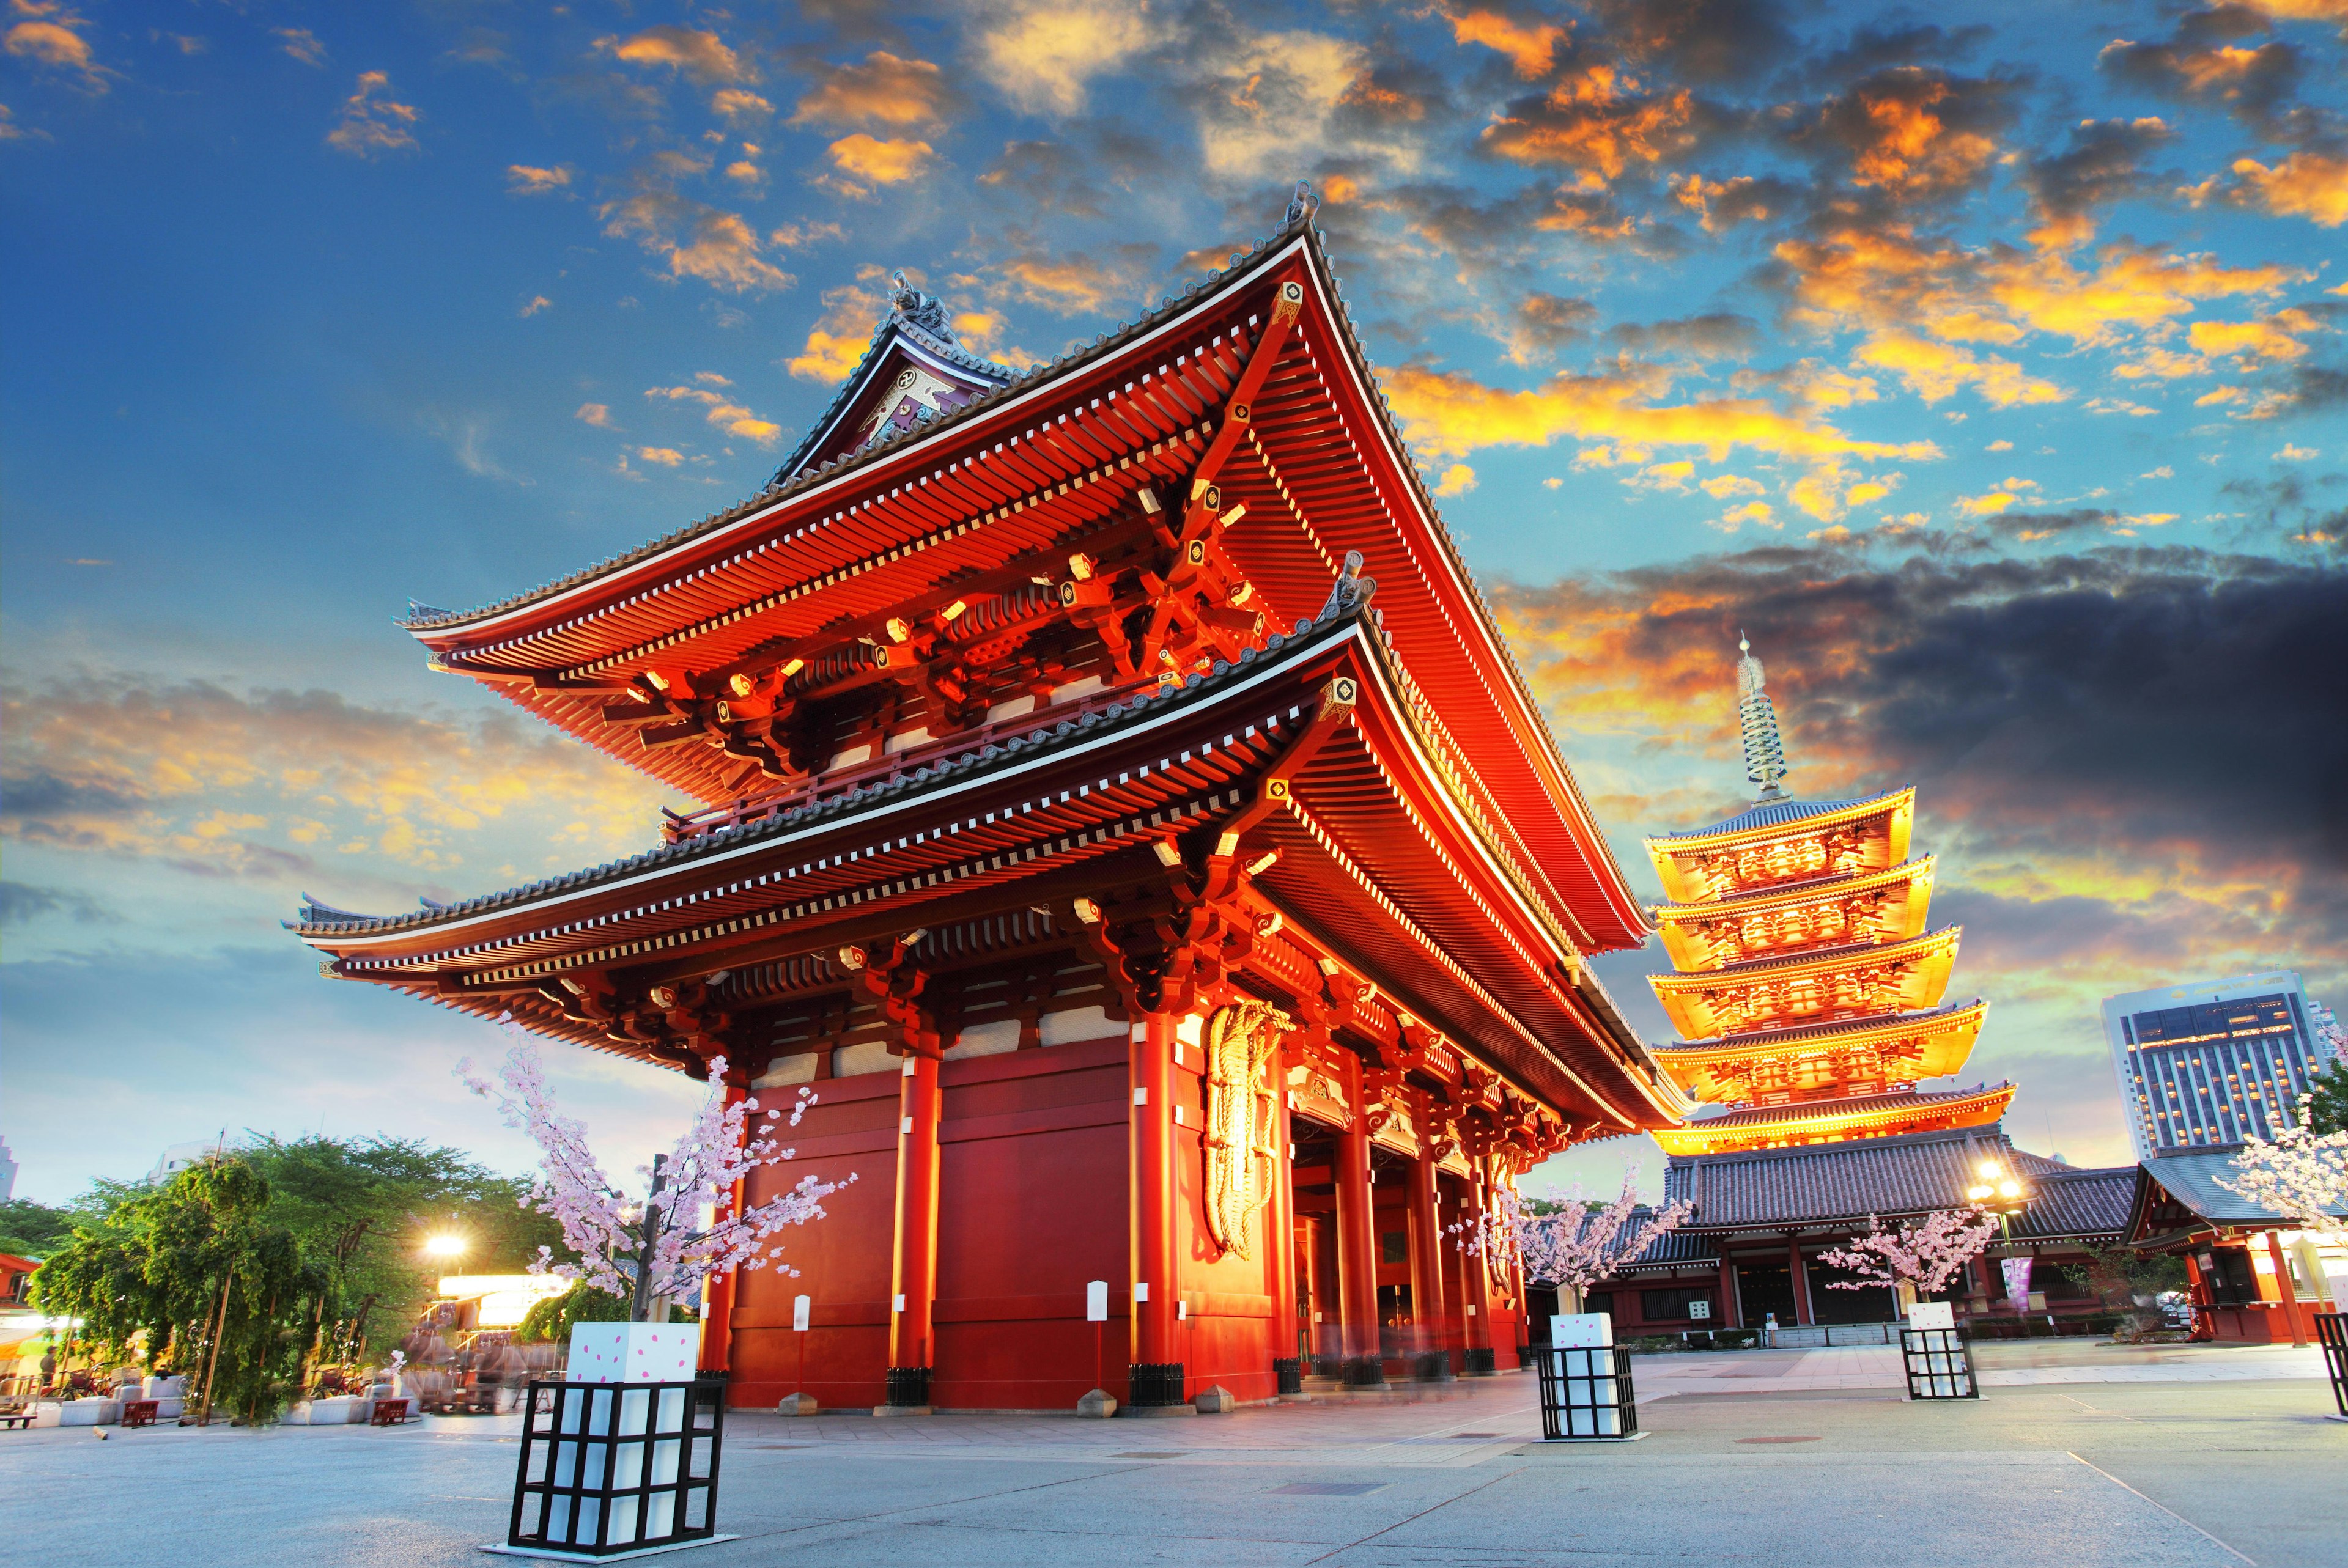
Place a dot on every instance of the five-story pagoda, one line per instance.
(1809, 990)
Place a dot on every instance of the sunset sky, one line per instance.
(1984, 362)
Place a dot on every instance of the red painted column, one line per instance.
(1474, 1299)
(1279, 1224)
(1358, 1238)
(1154, 1190)
(1427, 1250)
(1728, 1305)
(1802, 1313)
(2282, 1284)
(718, 1289)
(914, 1276)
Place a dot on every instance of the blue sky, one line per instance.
(1986, 365)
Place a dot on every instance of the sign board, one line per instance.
(1699, 1310)
(1096, 1301)
(1932, 1314)
(799, 1305)
(1581, 1330)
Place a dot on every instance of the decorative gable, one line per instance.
(914, 371)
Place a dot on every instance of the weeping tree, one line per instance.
(194, 1278)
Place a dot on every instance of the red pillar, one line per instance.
(1279, 1224)
(718, 1289)
(1357, 1239)
(1153, 1146)
(914, 1276)
(1728, 1305)
(1475, 1270)
(1802, 1313)
(2282, 1284)
(1426, 1252)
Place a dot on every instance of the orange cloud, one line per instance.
(1912, 152)
(371, 125)
(726, 414)
(1597, 119)
(702, 57)
(697, 240)
(1530, 47)
(1043, 54)
(889, 162)
(738, 103)
(838, 342)
(599, 414)
(2305, 185)
(886, 90)
(46, 37)
(2269, 339)
(666, 456)
(1447, 415)
(191, 773)
(1934, 371)
(521, 180)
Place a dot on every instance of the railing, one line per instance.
(677, 827)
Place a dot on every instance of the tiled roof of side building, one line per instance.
(1910, 1174)
(2066, 1203)
(318, 919)
(2193, 1180)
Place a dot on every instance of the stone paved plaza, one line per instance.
(2077, 1455)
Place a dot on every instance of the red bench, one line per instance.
(390, 1413)
(139, 1412)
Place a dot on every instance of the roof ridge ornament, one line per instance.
(1301, 206)
(925, 311)
(1350, 591)
(1764, 749)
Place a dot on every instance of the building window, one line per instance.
(1672, 1306)
(1394, 1247)
(1599, 1301)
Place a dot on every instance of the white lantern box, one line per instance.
(633, 1352)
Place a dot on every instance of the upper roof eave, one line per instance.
(1780, 817)
(1624, 923)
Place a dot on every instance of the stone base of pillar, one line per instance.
(1365, 1372)
(1479, 1363)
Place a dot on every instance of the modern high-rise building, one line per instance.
(2205, 1064)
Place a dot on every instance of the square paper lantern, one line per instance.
(1581, 1331)
(633, 1352)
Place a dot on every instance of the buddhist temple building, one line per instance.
(1104, 786)
(1809, 991)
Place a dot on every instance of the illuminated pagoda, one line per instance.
(1809, 991)
(1150, 896)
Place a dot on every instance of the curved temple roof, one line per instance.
(1321, 468)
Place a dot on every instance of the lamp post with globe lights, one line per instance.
(2001, 1192)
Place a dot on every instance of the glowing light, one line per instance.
(446, 1245)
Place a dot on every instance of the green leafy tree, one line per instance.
(33, 1230)
(2328, 1106)
(582, 1303)
(363, 1209)
(193, 1276)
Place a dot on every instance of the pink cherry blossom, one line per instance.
(718, 1151)
(2302, 1176)
(1573, 1248)
(1927, 1255)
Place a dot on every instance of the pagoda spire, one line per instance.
(1764, 752)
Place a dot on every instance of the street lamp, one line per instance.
(1998, 1193)
(448, 1245)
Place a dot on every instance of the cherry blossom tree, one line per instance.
(658, 1245)
(2302, 1176)
(1577, 1246)
(1925, 1256)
